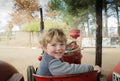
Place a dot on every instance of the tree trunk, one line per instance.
(88, 25)
(99, 32)
(106, 20)
(118, 20)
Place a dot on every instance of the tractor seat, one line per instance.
(88, 76)
(9, 73)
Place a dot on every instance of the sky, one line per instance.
(6, 7)
(5, 10)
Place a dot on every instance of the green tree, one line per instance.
(71, 10)
(34, 26)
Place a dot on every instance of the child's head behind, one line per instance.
(53, 33)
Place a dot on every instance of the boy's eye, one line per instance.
(62, 44)
(53, 44)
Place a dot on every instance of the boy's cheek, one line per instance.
(52, 51)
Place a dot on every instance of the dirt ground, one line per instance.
(22, 57)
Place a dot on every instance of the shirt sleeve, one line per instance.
(57, 67)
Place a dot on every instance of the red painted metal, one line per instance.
(74, 33)
(40, 58)
(74, 53)
(116, 69)
(89, 76)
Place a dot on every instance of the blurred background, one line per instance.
(20, 20)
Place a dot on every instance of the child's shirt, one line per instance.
(52, 66)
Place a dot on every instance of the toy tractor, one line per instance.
(72, 55)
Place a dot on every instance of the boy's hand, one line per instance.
(98, 68)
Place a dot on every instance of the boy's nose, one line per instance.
(59, 47)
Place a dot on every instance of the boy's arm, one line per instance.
(57, 67)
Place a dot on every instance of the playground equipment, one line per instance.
(9, 73)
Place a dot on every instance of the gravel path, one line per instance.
(22, 57)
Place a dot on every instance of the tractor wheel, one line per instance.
(30, 71)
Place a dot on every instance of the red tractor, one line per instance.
(72, 55)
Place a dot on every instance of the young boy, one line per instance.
(53, 43)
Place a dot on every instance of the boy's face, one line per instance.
(55, 49)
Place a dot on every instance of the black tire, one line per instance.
(30, 71)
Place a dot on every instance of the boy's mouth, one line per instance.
(58, 53)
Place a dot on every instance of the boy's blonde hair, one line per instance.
(55, 33)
